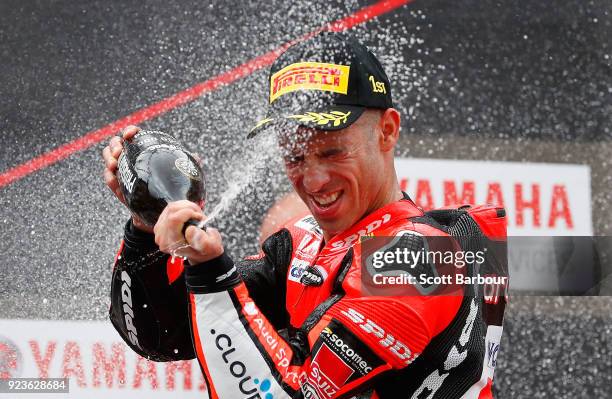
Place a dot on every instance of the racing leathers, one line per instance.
(295, 321)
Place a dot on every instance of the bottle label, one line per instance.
(186, 167)
(126, 176)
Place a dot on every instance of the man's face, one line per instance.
(337, 174)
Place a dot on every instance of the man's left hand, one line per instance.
(203, 245)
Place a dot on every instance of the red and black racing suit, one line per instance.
(292, 322)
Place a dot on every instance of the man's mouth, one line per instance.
(326, 200)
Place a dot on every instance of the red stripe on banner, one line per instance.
(187, 95)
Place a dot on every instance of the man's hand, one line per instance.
(203, 245)
(111, 158)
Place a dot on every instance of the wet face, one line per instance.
(337, 174)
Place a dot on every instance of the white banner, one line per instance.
(95, 359)
(540, 199)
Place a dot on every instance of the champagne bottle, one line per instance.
(154, 169)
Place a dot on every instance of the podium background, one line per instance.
(500, 81)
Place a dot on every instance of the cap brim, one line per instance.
(330, 118)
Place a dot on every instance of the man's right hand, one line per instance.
(111, 159)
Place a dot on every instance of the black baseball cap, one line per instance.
(325, 82)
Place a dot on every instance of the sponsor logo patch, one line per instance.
(309, 76)
(312, 276)
(339, 358)
(492, 342)
(492, 349)
(309, 223)
(297, 269)
(276, 348)
(328, 372)
(244, 382)
(309, 246)
(352, 351)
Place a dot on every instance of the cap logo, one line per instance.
(322, 118)
(377, 87)
(309, 76)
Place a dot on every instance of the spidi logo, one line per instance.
(353, 238)
(252, 388)
(128, 313)
(387, 341)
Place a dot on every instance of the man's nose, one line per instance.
(316, 176)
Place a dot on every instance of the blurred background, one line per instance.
(506, 102)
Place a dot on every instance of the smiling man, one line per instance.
(344, 176)
(295, 321)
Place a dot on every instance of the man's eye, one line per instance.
(335, 153)
(294, 159)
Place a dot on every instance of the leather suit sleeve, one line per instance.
(149, 302)
(149, 311)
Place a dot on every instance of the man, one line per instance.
(293, 321)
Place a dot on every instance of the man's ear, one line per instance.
(389, 127)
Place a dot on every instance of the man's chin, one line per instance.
(333, 220)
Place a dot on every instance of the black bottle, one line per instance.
(154, 169)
